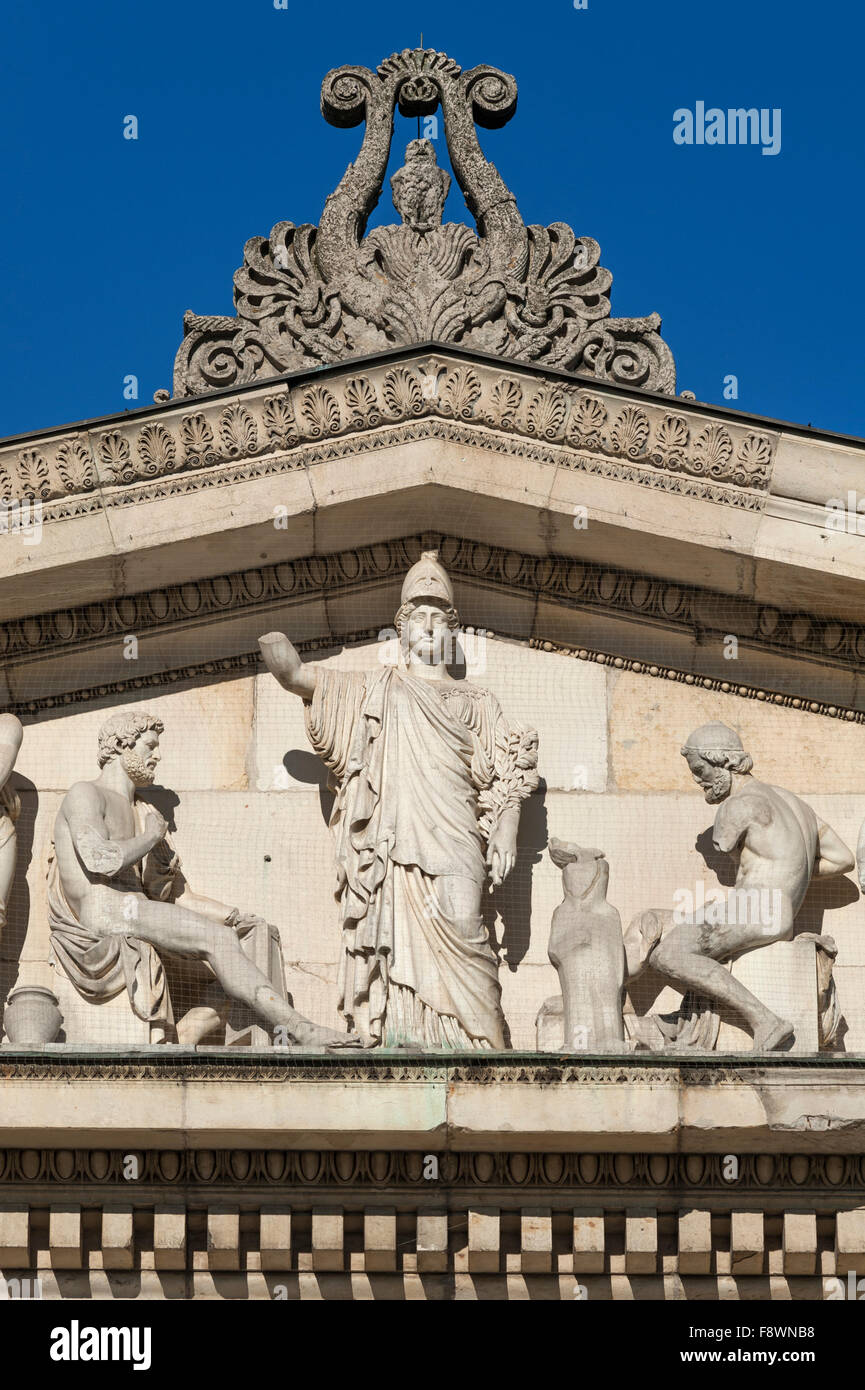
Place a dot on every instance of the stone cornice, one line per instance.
(809, 642)
(216, 440)
(417, 352)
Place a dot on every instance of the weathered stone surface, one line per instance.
(588, 1242)
(484, 1240)
(850, 1242)
(643, 741)
(746, 1242)
(118, 1236)
(64, 1235)
(784, 977)
(641, 1240)
(275, 1237)
(327, 1238)
(169, 1236)
(799, 1242)
(14, 1235)
(223, 1237)
(432, 1240)
(379, 1239)
(695, 1241)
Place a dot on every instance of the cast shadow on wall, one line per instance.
(507, 911)
(308, 768)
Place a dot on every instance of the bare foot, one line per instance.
(307, 1034)
(344, 1040)
(770, 1037)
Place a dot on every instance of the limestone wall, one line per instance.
(250, 804)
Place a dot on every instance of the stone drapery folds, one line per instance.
(423, 773)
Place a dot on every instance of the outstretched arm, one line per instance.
(834, 856)
(82, 808)
(283, 662)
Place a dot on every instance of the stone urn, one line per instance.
(32, 1016)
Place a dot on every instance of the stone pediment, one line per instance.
(310, 295)
(598, 546)
(601, 500)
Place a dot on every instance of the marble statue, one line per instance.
(587, 950)
(11, 734)
(778, 844)
(430, 776)
(117, 897)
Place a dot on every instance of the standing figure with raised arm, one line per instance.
(430, 776)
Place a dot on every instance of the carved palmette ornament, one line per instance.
(279, 421)
(712, 452)
(198, 441)
(157, 450)
(671, 442)
(402, 393)
(629, 433)
(309, 295)
(75, 466)
(505, 400)
(33, 479)
(361, 400)
(588, 418)
(238, 432)
(116, 457)
(546, 414)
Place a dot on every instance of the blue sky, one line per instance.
(754, 261)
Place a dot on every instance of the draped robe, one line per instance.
(409, 758)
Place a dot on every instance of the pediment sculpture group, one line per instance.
(430, 776)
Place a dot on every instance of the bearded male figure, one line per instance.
(117, 897)
(430, 776)
(778, 844)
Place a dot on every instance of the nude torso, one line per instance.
(780, 854)
(84, 890)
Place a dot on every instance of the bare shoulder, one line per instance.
(756, 802)
(82, 796)
(11, 728)
(749, 807)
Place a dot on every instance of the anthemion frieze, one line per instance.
(432, 817)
